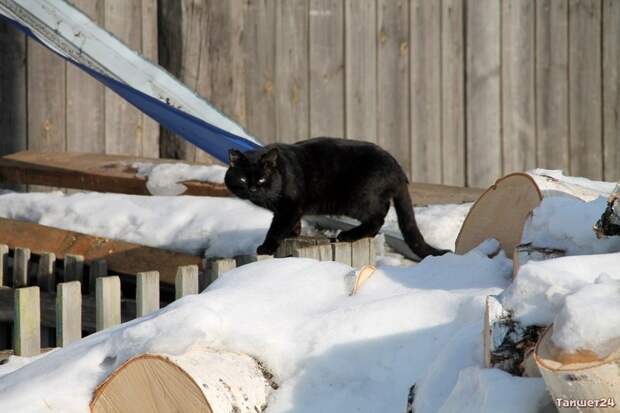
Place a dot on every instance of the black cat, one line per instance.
(325, 176)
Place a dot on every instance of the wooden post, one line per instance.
(361, 252)
(186, 282)
(108, 302)
(27, 322)
(68, 313)
(342, 252)
(20, 267)
(4, 255)
(147, 293)
(321, 252)
(46, 278)
(214, 269)
(74, 268)
(98, 269)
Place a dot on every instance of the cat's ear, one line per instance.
(234, 156)
(270, 158)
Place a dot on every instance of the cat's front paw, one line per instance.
(266, 249)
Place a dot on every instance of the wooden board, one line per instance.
(500, 213)
(93, 172)
(122, 257)
(611, 90)
(425, 91)
(113, 173)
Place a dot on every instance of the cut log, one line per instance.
(503, 209)
(200, 380)
(507, 343)
(361, 277)
(527, 252)
(579, 377)
(500, 213)
(122, 257)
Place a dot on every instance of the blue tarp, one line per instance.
(206, 136)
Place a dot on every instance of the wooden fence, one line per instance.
(46, 303)
(460, 91)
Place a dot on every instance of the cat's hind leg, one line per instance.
(370, 226)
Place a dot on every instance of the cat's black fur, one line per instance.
(325, 176)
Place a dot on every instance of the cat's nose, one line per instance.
(252, 189)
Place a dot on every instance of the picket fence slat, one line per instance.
(20, 267)
(97, 269)
(4, 264)
(46, 278)
(147, 293)
(186, 282)
(74, 268)
(27, 322)
(108, 302)
(68, 313)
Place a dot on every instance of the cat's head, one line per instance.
(254, 175)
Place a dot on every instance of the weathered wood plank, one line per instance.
(214, 269)
(20, 267)
(4, 265)
(361, 251)
(85, 97)
(221, 76)
(98, 268)
(46, 276)
(552, 84)
(291, 81)
(518, 93)
(585, 97)
(326, 42)
(74, 268)
(484, 163)
(360, 70)
(108, 302)
(259, 45)
(68, 313)
(123, 122)
(147, 293)
(611, 90)
(150, 128)
(392, 78)
(452, 93)
(342, 252)
(426, 91)
(13, 117)
(122, 257)
(27, 322)
(186, 282)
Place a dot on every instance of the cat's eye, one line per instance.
(261, 181)
(243, 179)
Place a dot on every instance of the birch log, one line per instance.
(200, 380)
(575, 379)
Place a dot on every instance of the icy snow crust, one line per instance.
(166, 178)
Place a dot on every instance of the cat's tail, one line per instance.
(409, 227)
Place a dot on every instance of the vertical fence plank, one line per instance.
(147, 292)
(426, 91)
(214, 269)
(584, 87)
(326, 63)
(97, 269)
(291, 85)
(518, 93)
(452, 93)
(611, 90)
(108, 302)
(20, 267)
(27, 322)
(46, 101)
(552, 84)
(123, 122)
(186, 281)
(68, 313)
(221, 77)
(150, 128)
(74, 268)
(392, 80)
(46, 277)
(259, 45)
(484, 163)
(85, 97)
(13, 117)
(360, 252)
(342, 252)
(361, 70)
(4, 265)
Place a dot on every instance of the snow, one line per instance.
(575, 328)
(166, 178)
(328, 351)
(588, 189)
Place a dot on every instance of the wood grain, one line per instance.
(150, 128)
(611, 90)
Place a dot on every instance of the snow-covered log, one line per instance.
(609, 224)
(200, 380)
(527, 252)
(502, 210)
(578, 381)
